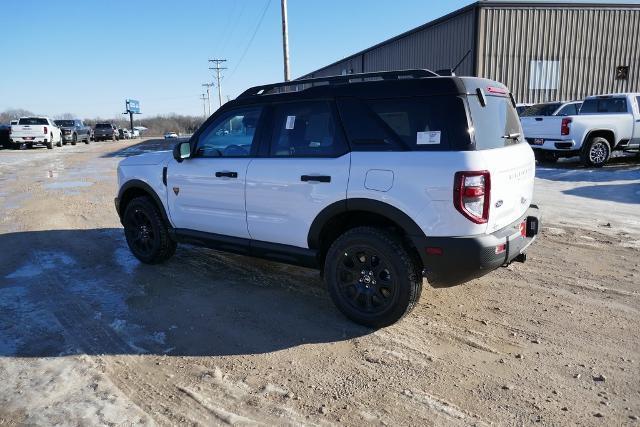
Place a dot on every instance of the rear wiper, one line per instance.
(514, 136)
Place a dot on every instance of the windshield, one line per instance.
(541, 110)
(103, 125)
(33, 121)
(495, 125)
(64, 123)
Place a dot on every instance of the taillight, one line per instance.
(564, 127)
(45, 130)
(471, 195)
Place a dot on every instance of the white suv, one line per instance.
(376, 179)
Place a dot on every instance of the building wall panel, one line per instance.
(588, 42)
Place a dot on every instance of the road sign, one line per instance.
(133, 106)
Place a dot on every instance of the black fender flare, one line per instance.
(386, 210)
(141, 185)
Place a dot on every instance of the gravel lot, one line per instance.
(90, 336)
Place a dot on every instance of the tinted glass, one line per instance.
(103, 126)
(365, 130)
(231, 135)
(431, 123)
(65, 123)
(541, 109)
(495, 125)
(568, 110)
(33, 121)
(604, 106)
(305, 129)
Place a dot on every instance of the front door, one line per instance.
(207, 191)
(305, 170)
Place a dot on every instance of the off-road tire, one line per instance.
(74, 139)
(596, 152)
(399, 267)
(50, 143)
(143, 211)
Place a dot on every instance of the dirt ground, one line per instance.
(90, 336)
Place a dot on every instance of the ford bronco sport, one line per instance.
(376, 179)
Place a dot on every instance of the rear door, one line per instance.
(304, 169)
(207, 191)
(507, 157)
(31, 127)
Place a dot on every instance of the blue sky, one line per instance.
(86, 57)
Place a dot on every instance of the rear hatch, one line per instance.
(541, 127)
(507, 157)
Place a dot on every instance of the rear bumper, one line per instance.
(455, 260)
(554, 144)
(28, 140)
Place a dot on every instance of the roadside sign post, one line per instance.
(132, 106)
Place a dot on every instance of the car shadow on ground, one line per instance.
(621, 193)
(619, 169)
(145, 146)
(65, 292)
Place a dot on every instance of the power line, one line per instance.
(228, 36)
(253, 36)
(217, 69)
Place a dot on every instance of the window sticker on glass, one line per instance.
(291, 122)
(428, 138)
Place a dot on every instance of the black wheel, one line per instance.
(74, 139)
(87, 140)
(146, 232)
(50, 143)
(30, 146)
(596, 152)
(371, 276)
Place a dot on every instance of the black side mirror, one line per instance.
(181, 151)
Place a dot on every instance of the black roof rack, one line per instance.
(342, 79)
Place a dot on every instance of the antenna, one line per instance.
(461, 61)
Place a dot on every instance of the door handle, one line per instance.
(315, 178)
(227, 174)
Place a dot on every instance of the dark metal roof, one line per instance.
(486, 5)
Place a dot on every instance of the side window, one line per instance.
(230, 135)
(568, 110)
(364, 129)
(305, 129)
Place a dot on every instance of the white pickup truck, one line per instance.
(604, 123)
(31, 131)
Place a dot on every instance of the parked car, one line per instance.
(5, 131)
(135, 133)
(375, 183)
(170, 135)
(569, 108)
(124, 133)
(104, 131)
(74, 131)
(605, 123)
(520, 108)
(36, 131)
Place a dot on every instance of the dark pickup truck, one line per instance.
(74, 131)
(104, 131)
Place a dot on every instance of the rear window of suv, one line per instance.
(541, 110)
(496, 124)
(428, 123)
(103, 126)
(604, 106)
(33, 121)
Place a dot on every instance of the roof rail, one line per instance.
(342, 79)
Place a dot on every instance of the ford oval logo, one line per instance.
(499, 203)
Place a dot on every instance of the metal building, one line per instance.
(542, 51)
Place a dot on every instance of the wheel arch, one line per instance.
(136, 188)
(608, 134)
(340, 216)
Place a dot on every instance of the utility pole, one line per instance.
(217, 68)
(208, 85)
(285, 39)
(204, 105)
